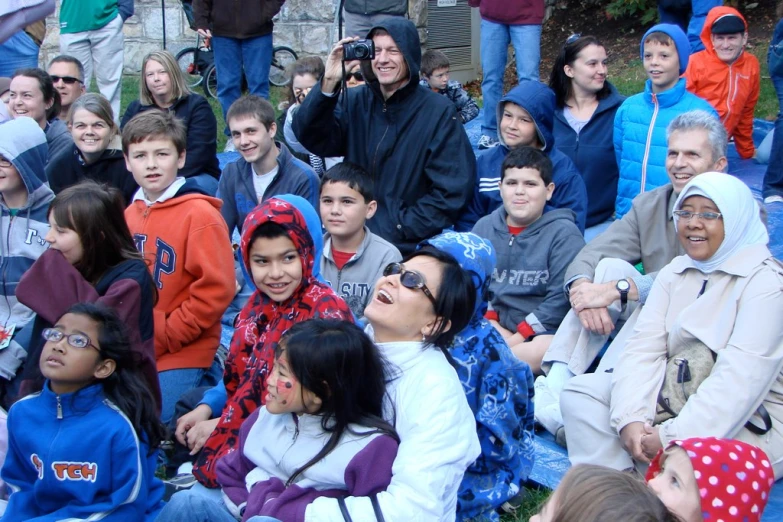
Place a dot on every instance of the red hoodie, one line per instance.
(732, 89)
(511, 12)
(186, 246)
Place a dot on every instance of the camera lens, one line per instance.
(361, 52)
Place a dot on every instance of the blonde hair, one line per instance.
(179, 88)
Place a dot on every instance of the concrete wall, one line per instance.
(305, 25)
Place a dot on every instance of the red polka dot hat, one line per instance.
(734, 478)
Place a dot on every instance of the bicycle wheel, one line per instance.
(186, 59)
(282, 57)
(210, 82)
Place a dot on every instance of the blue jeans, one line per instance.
(174, 383)
(18, 52)
(773, 179)
(200, 504)
(494, 52)
(232, 55)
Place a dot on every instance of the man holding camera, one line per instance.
(408, 138)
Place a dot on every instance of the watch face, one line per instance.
(623, 285)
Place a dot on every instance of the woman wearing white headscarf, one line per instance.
(726, 293)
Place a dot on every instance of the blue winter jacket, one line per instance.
(85, 461)
(640, 142)
(539, 101)
(499, 389)
(592, 151)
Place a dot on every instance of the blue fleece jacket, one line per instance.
(640, 142)
(239, 196)
(85, 461)
(592, 151)
(570, 192)
(23, 143)
(499, 389)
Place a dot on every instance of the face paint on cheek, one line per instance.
(284, 390)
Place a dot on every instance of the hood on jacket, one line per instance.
(287, 215)
(475, 254)
(406, 36)
(23, 143)
(680, 42)
(712, 17)
(539, 101)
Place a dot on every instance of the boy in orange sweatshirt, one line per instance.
(726, 76)
(185, 242)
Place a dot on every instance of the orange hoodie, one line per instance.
(732, 89)
(185, 243)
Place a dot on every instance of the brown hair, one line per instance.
(432, 60)
(590, 493)
(151, 125)
(46, 85)
(95, 104)
(96, 212)
(312, 65)
(659, 37)
(252, 105)
(179, 87)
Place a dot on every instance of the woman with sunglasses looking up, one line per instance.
(721, 302)
(32, 95)
(417, 308)
(584, 122)
(95, 153)
(162, 86)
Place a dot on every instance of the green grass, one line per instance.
(533, 502)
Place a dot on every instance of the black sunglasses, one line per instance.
(359, 77)
(409, 279)
(68, 80)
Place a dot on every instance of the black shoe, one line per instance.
(511, 505)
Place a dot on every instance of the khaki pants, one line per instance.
(101, 51)
(578, 347)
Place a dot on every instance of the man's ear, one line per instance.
(272, 129)
(104, 369)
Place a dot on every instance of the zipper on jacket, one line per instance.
(511, 240)
(648, 144)
(59, 408)
(729, 96)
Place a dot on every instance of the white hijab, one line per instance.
(741, 220)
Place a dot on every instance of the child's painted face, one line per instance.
(251, 138)
(439, 79)
(728, 47)
(524, 196)
(284, 392)
(66, 240)
(10, 180)
(517, 127)
(158, 81)
(27, 99)
(676, 485)
(700, 237)
(276, 267)
(154, 163)
(67, 367)
(343, 210)
(90, 133)
(662, 65)
(588, 72)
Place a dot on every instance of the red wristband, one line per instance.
(491, 315)
(525, 330)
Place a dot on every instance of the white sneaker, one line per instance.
(486, 142)
(773, 199)
(543, 395)
(550, 418)
(230, 146)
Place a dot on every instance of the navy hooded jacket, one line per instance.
(539, 101)
(592, 151)
(413, 146)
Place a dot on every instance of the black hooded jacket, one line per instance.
(413, 145)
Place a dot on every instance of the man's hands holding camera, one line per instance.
(352, 50)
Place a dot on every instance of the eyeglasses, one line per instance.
(76, 340)
(574, 37)
(358, 76)
(4, 162)
(67, 80)
(687, 215)
(409, 279)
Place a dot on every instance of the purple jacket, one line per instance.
(280, 444)
(511, 12)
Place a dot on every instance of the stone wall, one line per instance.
(308, 26)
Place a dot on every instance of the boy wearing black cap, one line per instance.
(726, 76)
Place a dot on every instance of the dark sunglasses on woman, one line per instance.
(409, 279)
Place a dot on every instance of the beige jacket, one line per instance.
(740, 318)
